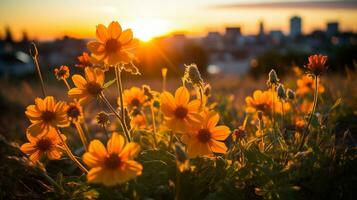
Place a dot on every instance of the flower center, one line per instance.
(48, 116)
(135, 102)
(204, 135)
(112, 45)
(181, 112)
(44, 144)
(93, 88)
(73, 112)
(262, 107)
(112, 162)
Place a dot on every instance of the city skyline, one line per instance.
(195, 20)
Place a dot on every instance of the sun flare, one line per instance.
(147, 29)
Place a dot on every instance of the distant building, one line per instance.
(276, 36)
(261, 35)
(295, 26)
(232, 35)
(332, 28)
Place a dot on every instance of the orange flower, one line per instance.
(84, 60)
(87, 88)
(134, 97)
(114, 164)
(45, 115)
(62, 72)
(306, 85)
(260, 101)
(75, 112)
(180, 114)
(113, 46)
(208, 138)
(45, 145)
(138, 121)
(263, 101)
(317, 64)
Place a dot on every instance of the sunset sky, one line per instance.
(49, 19)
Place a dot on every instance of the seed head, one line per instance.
(102, 118)
(193, 76)
(148, 93)
(272, 78)
(62, 72)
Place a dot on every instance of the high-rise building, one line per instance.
(332, 28)
(295, 26)
(261, 30)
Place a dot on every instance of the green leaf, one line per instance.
(336, 104)
(109, 83)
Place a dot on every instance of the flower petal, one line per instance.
(218, 147)
(114, 30)
(102, 33)
(220, 132)
(115, 144)
(97, 149)
(79, 81)
(130, 151)
(96, 48)
(126, 36)
(182, 96)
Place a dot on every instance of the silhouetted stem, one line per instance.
(82, 135)
(306, 131)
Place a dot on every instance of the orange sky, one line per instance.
(50, 19)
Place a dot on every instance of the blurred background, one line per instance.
(233, 42)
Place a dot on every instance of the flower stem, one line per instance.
(70, 154)
(81, 135)
(306, 131)
(38, 69)
(121, 120)
(67, 85)
(282, 115)
(153, 124)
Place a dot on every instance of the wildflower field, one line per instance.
(97, 134)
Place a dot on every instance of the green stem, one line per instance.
(153, 124)
(70, 154)
(306, 131)
(125, 129)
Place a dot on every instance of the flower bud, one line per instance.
(147, 92)
(290, 94)
(272, 78)
(193, 76)
(33, 50)
(207, 90)
(281, 92)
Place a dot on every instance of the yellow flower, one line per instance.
(114, 46)
(261, 100)
(134, 97)
(62, 72)
(208, 138)
(46, 114)
(43, 145)
(89, 87)
(75, 112)
(306, 85)
(138, 121)
(114, 164)
(181, 115)
(317, 64)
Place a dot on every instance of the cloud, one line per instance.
(349, 4)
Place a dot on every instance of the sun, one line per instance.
(147, 29)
